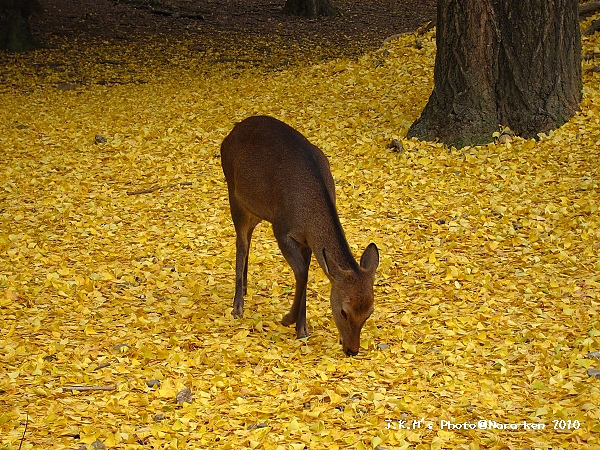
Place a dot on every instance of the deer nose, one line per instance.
(351, 353)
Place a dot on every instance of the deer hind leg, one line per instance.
(244, 223)
(298, 257)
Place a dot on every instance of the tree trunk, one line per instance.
(309, 8)
(502, 62)
(15, 32)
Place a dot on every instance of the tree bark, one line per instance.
(15, 32)
(502, 63)
(309, 8)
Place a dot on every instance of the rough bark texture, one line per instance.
(309, 8)
(501, 62)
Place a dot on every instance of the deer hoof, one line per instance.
(302, 332)
(288, 319)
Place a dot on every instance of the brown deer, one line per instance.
(275, 174)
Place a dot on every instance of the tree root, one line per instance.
(588, 9)
(595, 26)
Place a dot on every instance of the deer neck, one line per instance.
(329, 244)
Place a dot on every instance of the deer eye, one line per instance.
(344, 315)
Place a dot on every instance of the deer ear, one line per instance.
(370, 258)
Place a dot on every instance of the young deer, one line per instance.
(275, 174)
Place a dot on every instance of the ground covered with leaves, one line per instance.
(117, 263)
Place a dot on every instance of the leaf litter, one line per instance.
(116, 308)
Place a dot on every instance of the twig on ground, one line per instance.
(158, 188)
(24, 431)
(79, 388)
(424, 29)
(102, 366)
